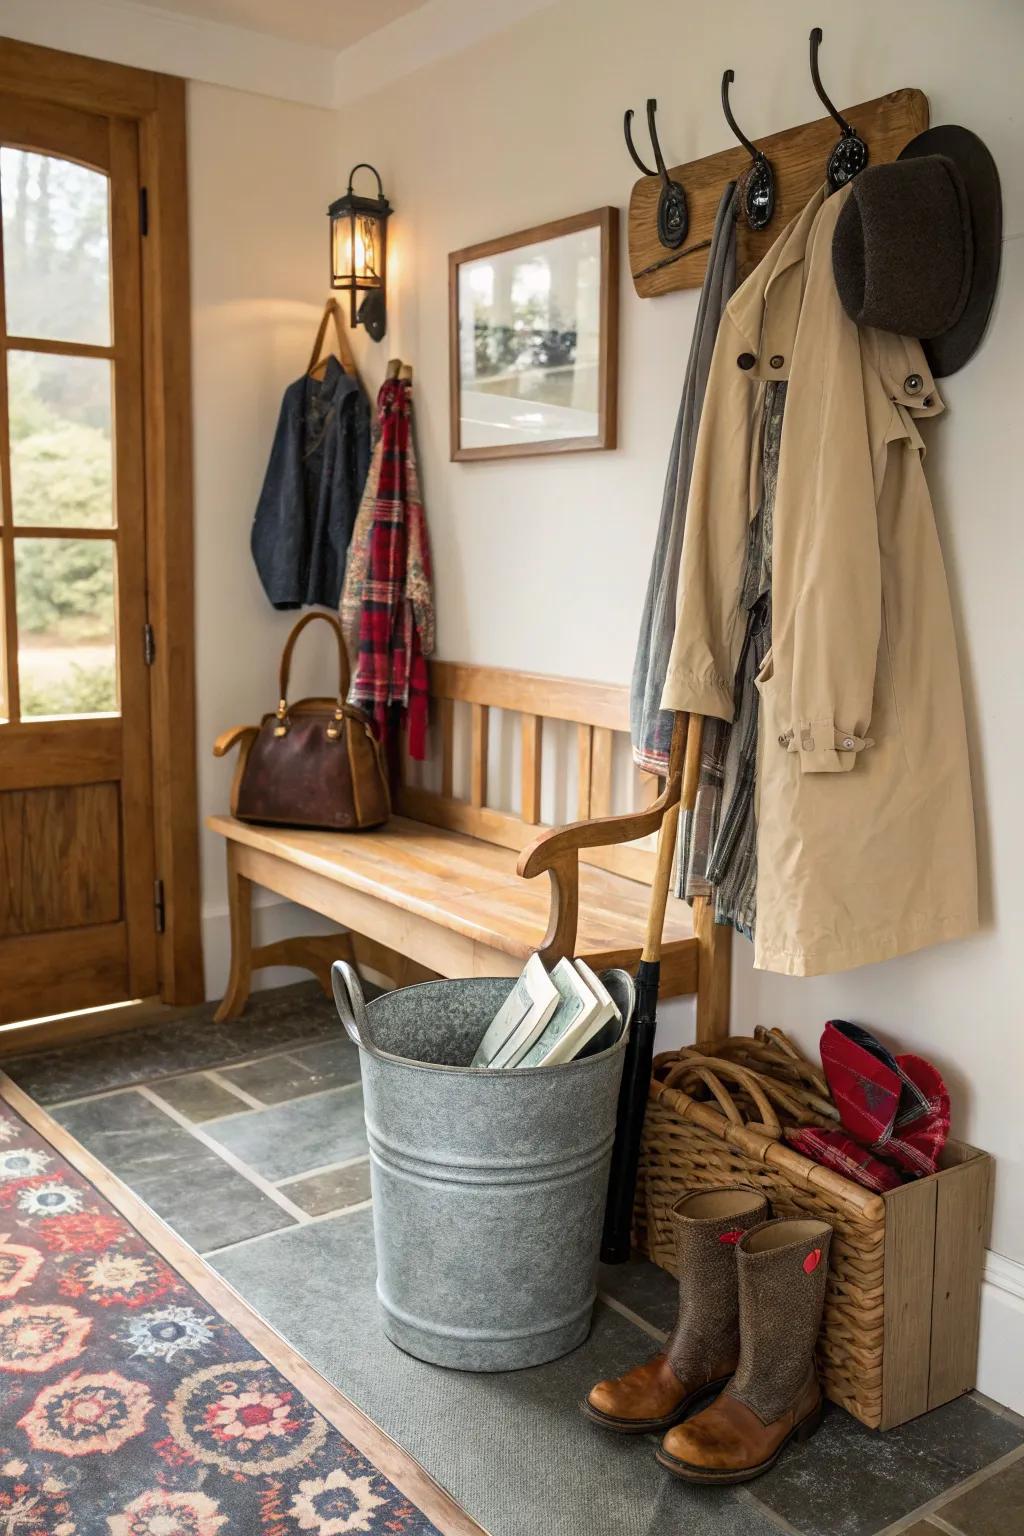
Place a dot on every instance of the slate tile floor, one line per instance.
(248, 1139)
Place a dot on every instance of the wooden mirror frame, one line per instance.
(607, 221)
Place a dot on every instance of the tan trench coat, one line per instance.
(865, 828)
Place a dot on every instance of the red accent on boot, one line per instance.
(730, 1237)
(812, 1261)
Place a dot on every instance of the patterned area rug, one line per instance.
(140, 1396)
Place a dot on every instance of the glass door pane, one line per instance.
(56, 247)
(67, 636)
(62, 473)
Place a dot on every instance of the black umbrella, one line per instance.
(681, 783)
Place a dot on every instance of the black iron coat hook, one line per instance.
(850, 155)
(673, 215)
(758, 186)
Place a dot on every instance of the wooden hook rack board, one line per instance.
(798, 156)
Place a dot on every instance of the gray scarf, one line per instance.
(650, 725)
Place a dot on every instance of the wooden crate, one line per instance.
(900, 1328)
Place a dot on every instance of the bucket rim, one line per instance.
(481, 1073)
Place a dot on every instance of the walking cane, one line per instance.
(684, 757)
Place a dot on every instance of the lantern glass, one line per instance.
(358, 249)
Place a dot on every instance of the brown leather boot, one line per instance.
(703, 1349)
(774, 1396)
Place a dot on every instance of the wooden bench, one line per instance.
(448, 887)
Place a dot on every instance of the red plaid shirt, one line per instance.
(396, 615)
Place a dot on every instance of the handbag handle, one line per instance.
(344, 676)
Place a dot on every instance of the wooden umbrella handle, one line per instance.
(691, 762)
(684, 757)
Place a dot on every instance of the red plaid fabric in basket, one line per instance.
(894, 1111)
(835, 1149)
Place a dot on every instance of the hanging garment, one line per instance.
(389, 583)
(865, 831)
(650, 725)
(310, 496)
(732, 861)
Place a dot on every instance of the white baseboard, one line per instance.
(1001, 1347)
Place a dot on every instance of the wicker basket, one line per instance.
(900, 1328)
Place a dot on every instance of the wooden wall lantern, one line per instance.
(799, 157)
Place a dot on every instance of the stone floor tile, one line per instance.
(299, 1136)
(643, 1287)
(331, 1191)
(851, 1481)
(308, 1069)
(187, 1041)
(992, 1508)
(205, 1200)
(273, 1079)
(198, 1098)
(333, 1061)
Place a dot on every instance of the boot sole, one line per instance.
(691, 1474)
(655, 1426)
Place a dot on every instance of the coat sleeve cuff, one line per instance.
(823, 748)
(706, 695)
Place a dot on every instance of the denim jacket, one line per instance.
(310, 497)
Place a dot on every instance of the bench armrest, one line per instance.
(228, 739)
(557, 851)
(601, 832)
(241, 736)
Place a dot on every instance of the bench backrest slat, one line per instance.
(600, 712)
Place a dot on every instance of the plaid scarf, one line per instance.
(389, 582)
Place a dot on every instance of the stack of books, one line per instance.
(551, 1019)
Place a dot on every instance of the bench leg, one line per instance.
(714, 973)
(240, 911)
(315, 953)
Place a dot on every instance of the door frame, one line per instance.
(155, 103)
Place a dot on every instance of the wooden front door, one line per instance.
(77, 926)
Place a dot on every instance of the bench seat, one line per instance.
(477, 869)
(462, 885)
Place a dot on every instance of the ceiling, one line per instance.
(332, 24)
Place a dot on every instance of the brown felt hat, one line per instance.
(916, 248)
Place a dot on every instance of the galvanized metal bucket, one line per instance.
(488, 1186)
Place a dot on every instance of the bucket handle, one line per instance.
(349, 1001)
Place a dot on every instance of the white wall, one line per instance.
(261, 174)
(542, 563)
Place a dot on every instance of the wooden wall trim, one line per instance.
(167, 348)
(93, 85)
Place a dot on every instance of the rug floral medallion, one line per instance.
(129, 1408)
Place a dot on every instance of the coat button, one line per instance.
(746, 360)
(913, 383)
(849, 743)
(783, 741)
(777, 361)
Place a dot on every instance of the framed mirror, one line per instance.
(533, 340)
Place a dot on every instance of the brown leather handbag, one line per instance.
(315, 763)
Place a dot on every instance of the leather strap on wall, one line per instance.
(344, 350)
